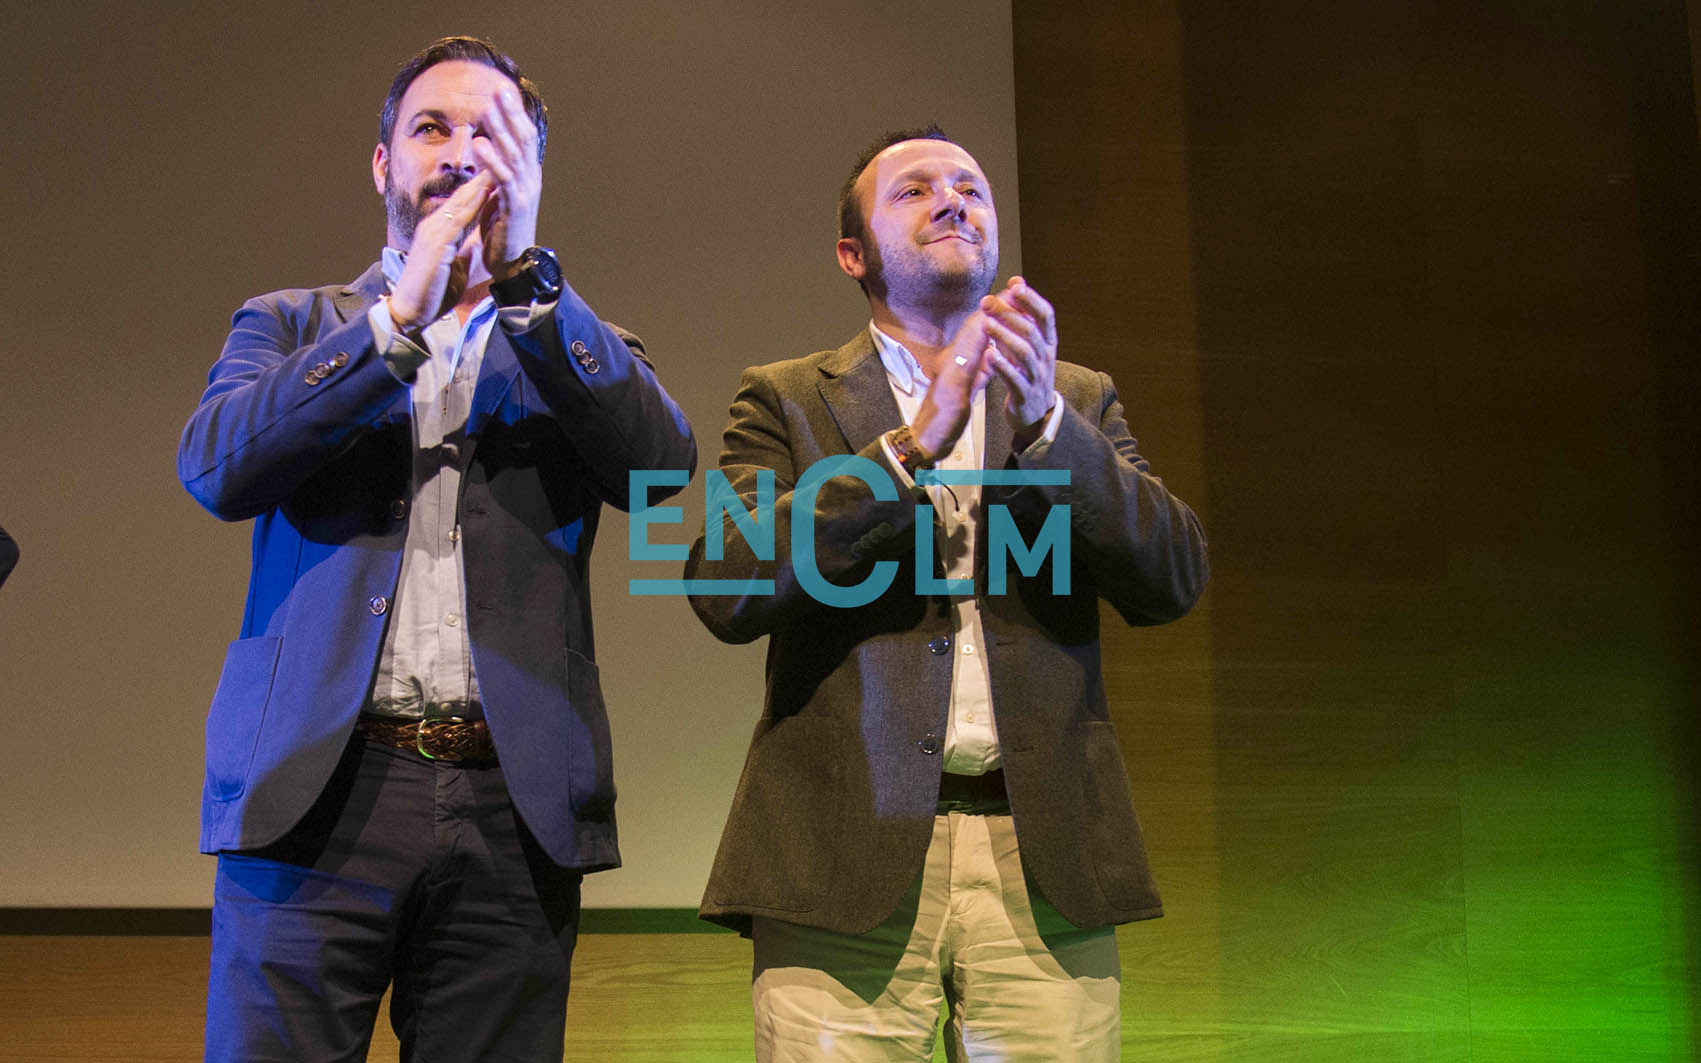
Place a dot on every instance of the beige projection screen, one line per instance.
(166, 162)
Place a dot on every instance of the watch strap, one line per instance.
(908, 450)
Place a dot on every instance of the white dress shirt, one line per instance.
(425, 667)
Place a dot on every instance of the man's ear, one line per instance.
(849, 249)
(380, 167)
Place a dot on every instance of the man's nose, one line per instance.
(458, 155)
(952, 206)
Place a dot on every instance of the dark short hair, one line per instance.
(850, 211)
(472, 49)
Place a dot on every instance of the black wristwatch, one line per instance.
(539, 280)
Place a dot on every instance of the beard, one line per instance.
(405, 212)
(910, 274)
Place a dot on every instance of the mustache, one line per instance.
(441, 186)
(949, 229)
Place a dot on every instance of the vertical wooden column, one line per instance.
(1107, 237)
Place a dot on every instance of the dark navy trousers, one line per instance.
(405, 871)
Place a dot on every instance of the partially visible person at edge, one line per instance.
(8, 555)
(408, 764)
(934, 809)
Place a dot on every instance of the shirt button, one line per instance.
(970, 717)
(968, 649)
(939, 644)
(378, 604)
(452, 620)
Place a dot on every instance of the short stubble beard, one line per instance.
(920, 281)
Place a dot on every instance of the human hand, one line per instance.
(507, 151)
(945, 409)
(1024, 328)
(440, 257)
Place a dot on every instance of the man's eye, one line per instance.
(970, 191)
(429, 129)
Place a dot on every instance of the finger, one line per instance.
(509, 128)
(1015, 371)
(520, 125)
(1021, 388)
(493, 162)
(1015, 347)
(463, 204)
(965, 365)
(488, 212)
(1023, 297)
(496, 142)
(1014, 320)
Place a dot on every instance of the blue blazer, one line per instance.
(304, 429)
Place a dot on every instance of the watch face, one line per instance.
(548, 267)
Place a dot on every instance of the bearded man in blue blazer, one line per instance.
(408, 764)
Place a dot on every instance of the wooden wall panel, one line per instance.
(1413, 286)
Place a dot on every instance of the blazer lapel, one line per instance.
(857, 394)
(496, 375)
(355, 299)
(859, 397)
(996, 453)
(497, 371)
(357, 296)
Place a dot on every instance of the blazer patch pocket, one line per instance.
(239, 706)
(591, 782)
(791, 788)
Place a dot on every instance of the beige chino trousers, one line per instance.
(974, 939)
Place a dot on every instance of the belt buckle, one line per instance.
(419, 737)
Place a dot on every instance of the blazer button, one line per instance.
(399, 508)
(582, 354)
(340, 360)
(939, 645)
(929, 744)
(378, 605)
(312, 378)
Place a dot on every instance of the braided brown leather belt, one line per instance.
(446, 738)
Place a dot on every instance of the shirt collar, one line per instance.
(392, 261)
(904, 371)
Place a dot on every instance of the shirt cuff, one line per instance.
(1049, 435)
(402, 355)
(518, 319)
